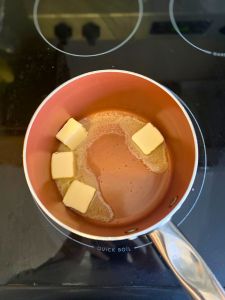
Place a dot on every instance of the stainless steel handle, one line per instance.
(186, 263)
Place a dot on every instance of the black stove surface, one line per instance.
(179, 43)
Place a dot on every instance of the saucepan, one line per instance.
(132, 92)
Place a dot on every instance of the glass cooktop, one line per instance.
(43, 43)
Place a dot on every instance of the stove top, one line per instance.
(43, 43)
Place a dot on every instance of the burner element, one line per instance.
(105, 28)
(201, 11)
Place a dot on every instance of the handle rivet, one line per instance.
(131, 230)
(173, 201)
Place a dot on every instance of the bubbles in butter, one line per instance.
(98, 125)
(127, 124)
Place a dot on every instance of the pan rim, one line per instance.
(126, 236)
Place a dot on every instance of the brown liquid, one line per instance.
(129, 184)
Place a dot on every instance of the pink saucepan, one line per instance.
(127, 91)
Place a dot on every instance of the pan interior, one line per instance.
(130, 183)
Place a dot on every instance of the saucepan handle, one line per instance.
(186, 263)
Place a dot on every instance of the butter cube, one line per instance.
(148, 138)
(62, 165)
(79, 196)
(72, 134)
